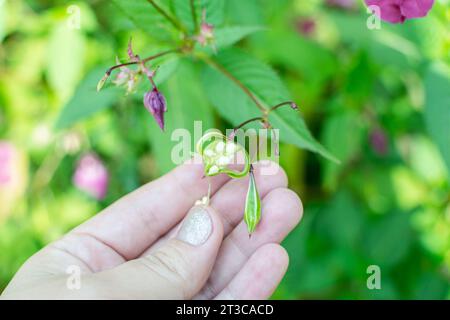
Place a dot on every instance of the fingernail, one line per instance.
(196, 228)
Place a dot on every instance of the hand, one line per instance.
(138, 249)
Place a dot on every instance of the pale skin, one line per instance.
(130, 249)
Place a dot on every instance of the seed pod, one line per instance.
(252, 213)
(219, 153)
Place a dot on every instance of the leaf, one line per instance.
(232, 103)
(342, 135)
(227, 36)
(213, 8)
(437, 108)
(65, 59)
(186, 103)
(86, 100)
(147, 18)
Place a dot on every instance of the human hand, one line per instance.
(138, 249)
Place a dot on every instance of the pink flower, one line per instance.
(6, 159)
(397, 11)
(13, 177)
(91, 176)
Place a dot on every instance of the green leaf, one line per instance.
(235, 106)
(213, 8)
(65, 59)
(147, 18)
(186, 103)
(227, 36)
(342, 135)
(437, 108)
(86, 100)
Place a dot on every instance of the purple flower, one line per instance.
(397, 11)
(91, 176)
(379, 141)
(155, 102)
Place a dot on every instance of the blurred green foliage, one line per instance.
(378, 100)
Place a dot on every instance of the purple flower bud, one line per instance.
(91, 176)
(379, 141)
(155, 102)
(397, 11)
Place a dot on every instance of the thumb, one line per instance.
(177, 270)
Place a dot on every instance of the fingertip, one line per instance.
(265, 169)
(284, 205)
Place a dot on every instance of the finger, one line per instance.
(281, 212)
(133, 223)
(229, 200)
(260, 275)
(177, 270)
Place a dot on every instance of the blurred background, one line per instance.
(379, 100)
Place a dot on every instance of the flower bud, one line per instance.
(155, 102)
(91, 176)
(102, 81)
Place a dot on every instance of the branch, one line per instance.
(108, 72)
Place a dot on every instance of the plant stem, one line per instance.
(172, 20)
(143, 61)
(194, 15)
(291, 103)
(247, 122)
(237, 82)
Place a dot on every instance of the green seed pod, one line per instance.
(252, 213)
(217, 153)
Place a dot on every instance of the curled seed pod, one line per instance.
(219, 153)
(252, 213)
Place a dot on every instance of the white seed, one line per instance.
(209, 153)
(220, 147)
(231, 147)
(223, 161)
(213, 170)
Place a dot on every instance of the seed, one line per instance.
(220, 147)
(223, 161)
(213, 170)
(209, 153)
(230, 148)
